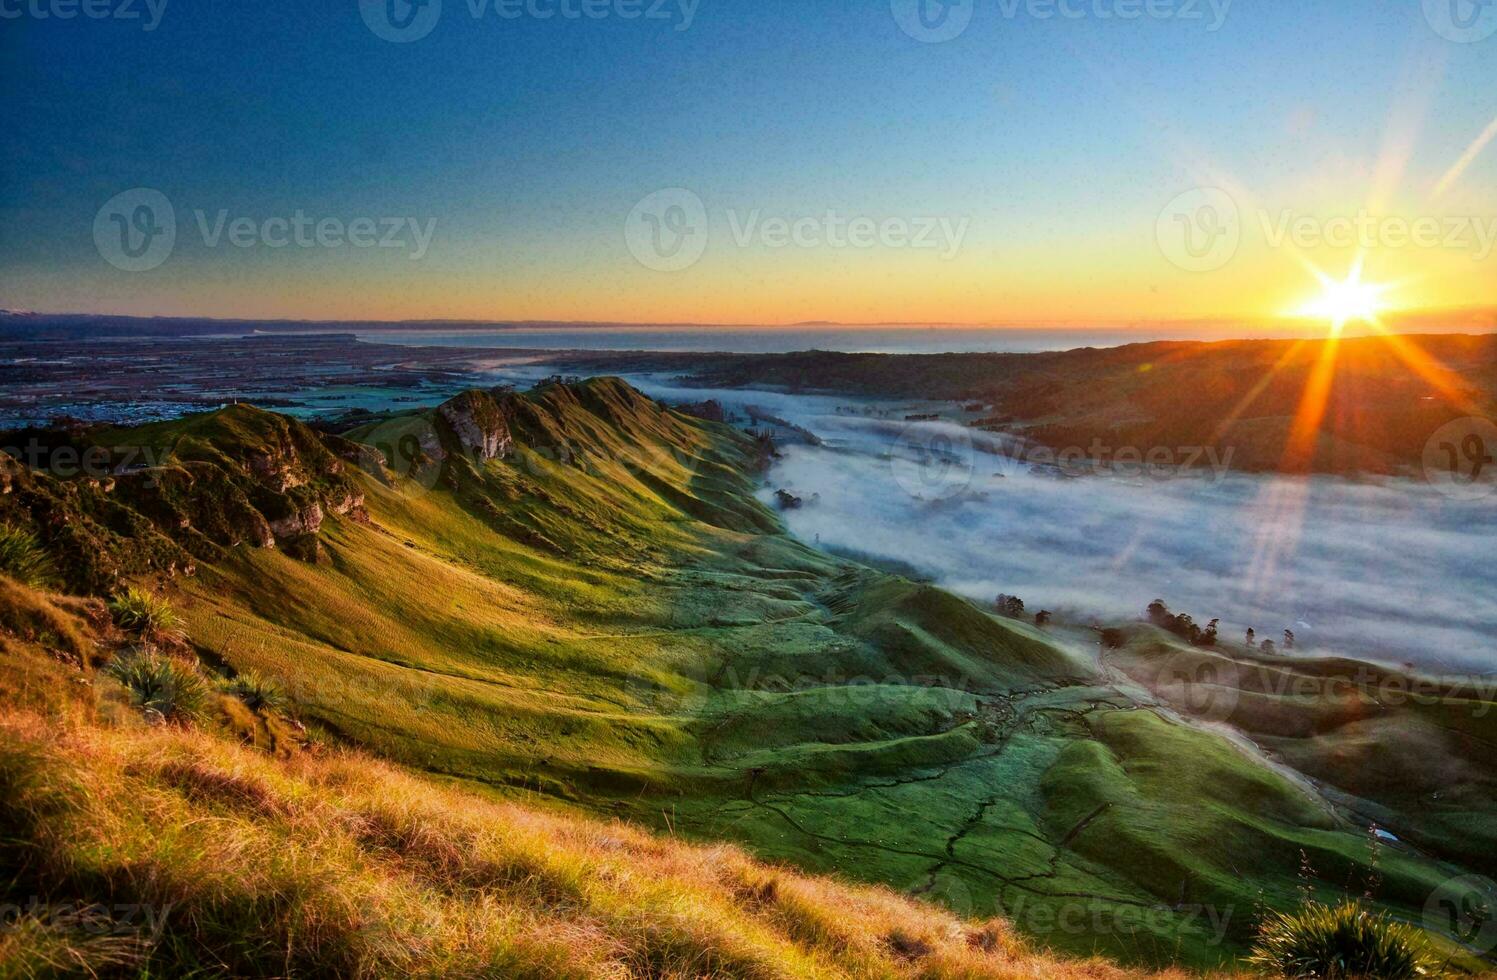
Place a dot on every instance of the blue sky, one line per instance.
(529, 140)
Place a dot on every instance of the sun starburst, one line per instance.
(1346, 301)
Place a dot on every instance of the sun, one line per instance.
(1346, 301)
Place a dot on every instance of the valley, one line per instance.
(572, 598)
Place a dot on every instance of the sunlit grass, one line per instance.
(342, 864)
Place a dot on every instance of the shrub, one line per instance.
(149, 615)
(258, 693)
(23, 558)
(1345, 940)
(160, 685)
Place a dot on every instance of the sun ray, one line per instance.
(1304, 431)
(1469, 157)
(1258, 388)
(1445, 382)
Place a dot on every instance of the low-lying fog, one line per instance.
(1390, 569)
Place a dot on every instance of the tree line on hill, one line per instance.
(1182, 625)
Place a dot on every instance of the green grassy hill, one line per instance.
(571, 598)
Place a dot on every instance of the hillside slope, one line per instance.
(571, 596)
(139, 850)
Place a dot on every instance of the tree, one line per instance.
(1208, 635)
(1009, 605)
(1252, 638)
(1289, 639)
(1159, 613)
(1268, 648)
(1042, 618)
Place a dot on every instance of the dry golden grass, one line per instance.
(144, 850)
(337, 863)
(340, 864)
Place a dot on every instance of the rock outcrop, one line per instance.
(479, 423)
(237, 476)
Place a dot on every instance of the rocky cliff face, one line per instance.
(281, 469)
(480, 424)
(218, 480)
(90, 527)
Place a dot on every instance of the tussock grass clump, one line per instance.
(147, 614)
(23, 558)
(1342, 941)
(256, 692)
(161, 686)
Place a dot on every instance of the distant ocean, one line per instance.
(779, 340)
